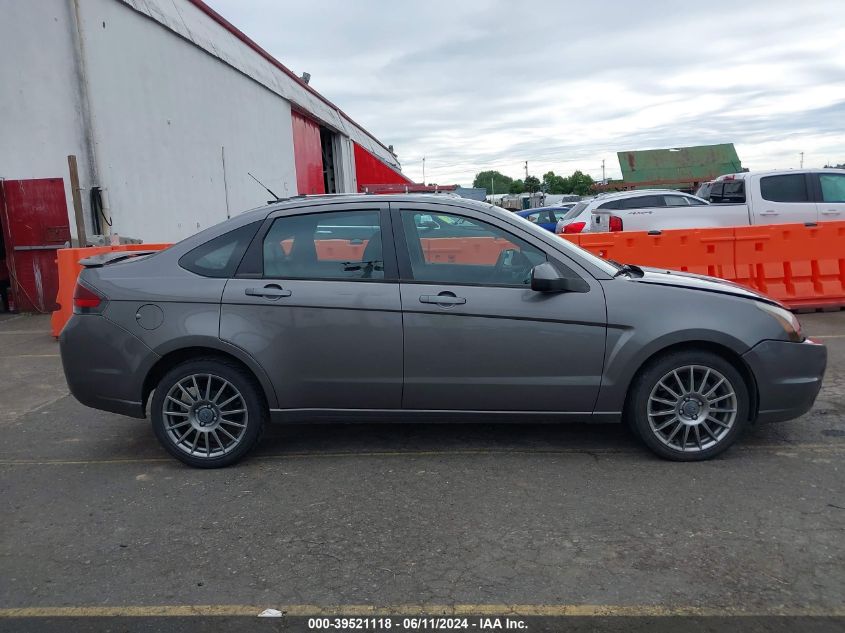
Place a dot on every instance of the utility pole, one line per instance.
(526, 170)
(492, 188)
(423, 169)
(802, 160)
(603, 179)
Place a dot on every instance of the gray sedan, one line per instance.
(354, 308)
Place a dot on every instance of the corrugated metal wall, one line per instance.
(696, 163)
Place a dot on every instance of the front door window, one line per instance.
(456, 250)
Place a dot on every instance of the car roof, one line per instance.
(779, 172)
(562, 207)
(306, 200)
(639, 192)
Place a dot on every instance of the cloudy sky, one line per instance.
(488, 84)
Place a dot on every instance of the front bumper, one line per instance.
(102, 363)
(789, 376)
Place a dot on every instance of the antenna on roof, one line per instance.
(270, 191)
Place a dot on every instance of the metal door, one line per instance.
(830, 195)
(35, 224)
(480, 347)
(327, 343)
(783, 198)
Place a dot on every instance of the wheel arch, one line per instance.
(725, 352)
(204, 349)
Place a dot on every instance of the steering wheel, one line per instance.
(512, 265)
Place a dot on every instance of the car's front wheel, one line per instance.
(208, 413)
(689, 405)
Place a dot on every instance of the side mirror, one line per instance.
(546, 278)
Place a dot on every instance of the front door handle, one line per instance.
(270, 291)
(443, 299)
(768, 212)
(830, 212)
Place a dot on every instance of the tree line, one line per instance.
(496, 182)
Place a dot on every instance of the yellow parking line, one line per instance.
(588, 610)
(837, 447)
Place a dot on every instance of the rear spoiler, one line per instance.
(96, 261)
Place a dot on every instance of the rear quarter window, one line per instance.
(220, 256)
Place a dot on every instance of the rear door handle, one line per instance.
(270, 291)
(768, 212)
(443, 299)
(830, 212)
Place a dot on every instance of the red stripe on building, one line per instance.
(369, 170)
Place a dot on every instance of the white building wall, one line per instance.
(164, 112)
(182, 17)
(41, 120)
(171, 93)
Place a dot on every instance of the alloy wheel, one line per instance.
(205, 415)
(692, 408)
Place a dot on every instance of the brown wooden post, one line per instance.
(75, 191)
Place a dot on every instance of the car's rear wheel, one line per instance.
(689, 405)
(208, 413)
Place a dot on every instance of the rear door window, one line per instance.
(339, 246)
(676, 201)
(611, 204)
(641, 202)
(784, 188)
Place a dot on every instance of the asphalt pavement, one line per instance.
(549, 520)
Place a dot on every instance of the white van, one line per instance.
(761, 197)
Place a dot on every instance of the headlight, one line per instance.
(788, 321)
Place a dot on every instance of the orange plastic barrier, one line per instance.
(67, 260)
(463, 250)
(802, 266)
(701, 251)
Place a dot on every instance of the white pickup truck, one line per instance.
(757, 197)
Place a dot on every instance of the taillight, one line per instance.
(574, 227)
(86, 300)
(614, 223)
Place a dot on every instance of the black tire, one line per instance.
(250, 417)
(695, 363)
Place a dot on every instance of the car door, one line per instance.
(316, 303)
(831, 195)
(783, 198)
(476, 337)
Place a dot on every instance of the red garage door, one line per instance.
(33, 214)
(308, 155)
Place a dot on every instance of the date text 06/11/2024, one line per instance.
(416, 623)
